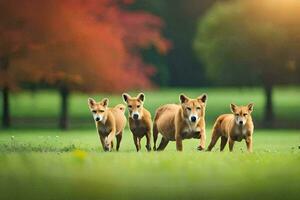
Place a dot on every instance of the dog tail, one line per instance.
(120, 107)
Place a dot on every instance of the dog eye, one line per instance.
(188, 108)
(237, 115)
(101, 111)
(94, 111)
(245, 114)
(129, 106)
(138, 106)
(198, 108)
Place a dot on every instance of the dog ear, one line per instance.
(105, 102)
(183, 98)
(126, 97)
(91, 102)
(141, 97)
(250, 107)
(203, 98)
(233, 107)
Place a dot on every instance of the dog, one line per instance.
(234, 127)
(110, 122)
(139, 120)
(177, 122)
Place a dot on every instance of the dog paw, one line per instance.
(148, 148)
(199, 148)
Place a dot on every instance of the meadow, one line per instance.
(43, 164)
(46, 163)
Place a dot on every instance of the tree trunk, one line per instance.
(5, 108)
(4, 64)
(269, 112)
(64, 117)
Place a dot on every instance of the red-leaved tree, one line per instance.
(83, 45)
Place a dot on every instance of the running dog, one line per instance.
(177, 122)
(110, 122)
(233, 127)
(139, 119)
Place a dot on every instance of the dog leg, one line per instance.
(249, 144)
(155, 134)
(214, 138)
(223, 143)
(148, 141)
(112, 145)
(231, 144)
(178, 142)
(139, 142)
(163, 143)
(109, 140)
(119, 138)
(136, 143)
(202, 140)
(102, 140)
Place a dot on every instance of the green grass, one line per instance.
(45, 104)
(50, 164)
(44, 164)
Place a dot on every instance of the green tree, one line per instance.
(180, 67)
(251, 42)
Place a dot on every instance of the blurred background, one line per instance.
(55, 54)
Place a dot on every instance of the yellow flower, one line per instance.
(79, 154)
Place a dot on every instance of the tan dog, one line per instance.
(178, 122)
(110, 122)
(233, 127)
(139, 119)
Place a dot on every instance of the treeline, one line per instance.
(100, 45)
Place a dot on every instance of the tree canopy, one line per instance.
(92, 44)
(76, 45)
(251, 42)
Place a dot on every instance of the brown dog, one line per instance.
(110, 122)
(139, 119)
(234, 127)
(178, 122)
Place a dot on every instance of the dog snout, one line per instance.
(97, 119)
(241, 122)
(135, 116)
(193, 118)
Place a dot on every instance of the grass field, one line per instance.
(43, 164)
(29, 109)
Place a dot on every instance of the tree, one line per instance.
(180, 66)
(251, 42)
(88, 45)
(14, 42)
